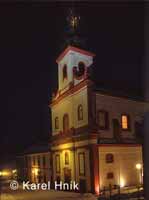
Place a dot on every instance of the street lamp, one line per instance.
(139, 168)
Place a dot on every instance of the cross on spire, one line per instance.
(73, 20)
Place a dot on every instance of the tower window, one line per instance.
(65, 123)
(66, 158)
(56, 123)
(109, 158)
(65, 72)
(103, 119)
(125, 122)
(81, 67)
(80, 112)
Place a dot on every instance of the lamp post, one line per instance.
(139, 169)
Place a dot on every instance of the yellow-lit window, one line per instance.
(125, 122)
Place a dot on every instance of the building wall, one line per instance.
(116, 106)
(36, 167)
(70, 105)
(123, 166)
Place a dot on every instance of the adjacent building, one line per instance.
(37, 164)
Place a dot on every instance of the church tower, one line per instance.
(71, 117)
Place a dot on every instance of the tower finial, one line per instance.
(73, 20)
(73, 32)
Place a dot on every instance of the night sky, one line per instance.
(31, 36)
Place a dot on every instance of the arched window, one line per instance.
(80, 112)
(125, 121)
(65, 122)
(56, 123)
(81, 67)
(109, 158)
(65, 72)
(66, 158)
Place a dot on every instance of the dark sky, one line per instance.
(31, 36)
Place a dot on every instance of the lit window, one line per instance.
(65, 72)
(109, 158)
(80, 112)
(125, 122)
(65, 123)
(66, 158)
(57, 163)
(103, 119)
(56, 123)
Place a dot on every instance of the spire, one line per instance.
(73, 20)
(73, 32)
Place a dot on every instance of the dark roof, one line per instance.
(37, 148)
(118, 93)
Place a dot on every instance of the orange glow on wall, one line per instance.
(96, 187)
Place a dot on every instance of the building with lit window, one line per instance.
(37, 164)
(96, 135)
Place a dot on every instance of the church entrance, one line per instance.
(67, 175)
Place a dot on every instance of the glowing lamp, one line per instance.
(35, 171)
(5, 173)
(138, 166)
(14, 171)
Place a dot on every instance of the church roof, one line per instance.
(76, 49)
(119, 94)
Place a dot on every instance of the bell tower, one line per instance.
(72, 114)
(73, 64)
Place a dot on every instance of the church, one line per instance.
(94, 134)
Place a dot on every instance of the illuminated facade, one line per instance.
(94, 134)
(37, 164)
